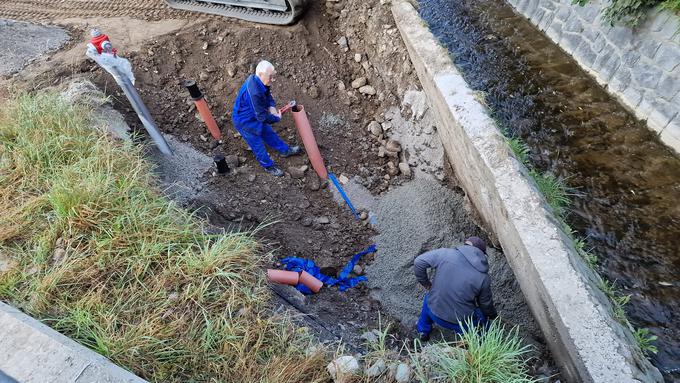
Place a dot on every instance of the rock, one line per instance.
(393, 146)
(203, 76)
(323, 220)
(371, 336)
(313, 183)
(313, 92)
(251, 178)
(357, 57)
(341, 86)
(296, 172)
(304, 204)
(343, 179)
(231, 71)
(205, 46)
(403, 373)
(173, 296)
(343, 367)
(377, 368)
(367, 90)
(232, 161)
(359, 82)
(375, 128)
(242, 160)
(307, 222)
(358, 270)
(405, 169)
(203, 138)
(392, 169)
(342, 42)
(363, 215)
(381, 152)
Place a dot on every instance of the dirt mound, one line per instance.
(420, 216)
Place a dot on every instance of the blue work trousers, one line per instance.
(427, 318)
(257, 143)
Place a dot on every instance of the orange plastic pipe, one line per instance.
(208, 118)
(305, 131)
(284, 277)
(310, 281)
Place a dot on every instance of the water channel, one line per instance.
(626, 183)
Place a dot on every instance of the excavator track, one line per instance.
(258, 15)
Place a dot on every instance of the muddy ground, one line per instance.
(317, 60)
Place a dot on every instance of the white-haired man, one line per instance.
(254, 112)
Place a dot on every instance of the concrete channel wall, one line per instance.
(640, 66)
(575, 317)
(31, 352)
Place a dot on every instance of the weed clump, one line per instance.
(95, 252)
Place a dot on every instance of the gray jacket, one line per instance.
(460, 284)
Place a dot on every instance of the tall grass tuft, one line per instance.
(554, 191)
(99, 255)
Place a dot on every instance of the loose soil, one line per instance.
(296, 216)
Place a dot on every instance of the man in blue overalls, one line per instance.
(254, 111)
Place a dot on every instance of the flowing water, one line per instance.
(626, 183)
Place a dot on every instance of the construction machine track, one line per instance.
(258, 15)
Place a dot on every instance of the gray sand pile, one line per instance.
(420, 216)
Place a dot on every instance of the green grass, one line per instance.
(645, 341)
(102, 257)
(618, 300)
(519, 149)
(632, 12)
(492, 356)
(554, 191)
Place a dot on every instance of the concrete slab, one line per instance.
(31, 352)
(21, 42)
(575, 317)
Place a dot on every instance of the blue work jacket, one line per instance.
(251, 108)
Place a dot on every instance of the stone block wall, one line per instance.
(640, 66)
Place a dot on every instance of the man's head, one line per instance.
(476, 242)
(265, 71)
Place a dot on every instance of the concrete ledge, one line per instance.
(32, 352)
(574, 316)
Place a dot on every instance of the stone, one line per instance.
(203, 76)
(392, 169)
(363, 215)
(343, 367)
(405, 169)
(358, 270)
(323, 220)
(377, 368)
(359, 82)
(646, 76)
(403, 373)
(205, 46)
(375, 128)
(232, 161)
(307, 222)
(341, 86)
(393, 146)
(296, 172)
(313, 92)
(668, 57)
(251, 178)
(381, 152)
(343, 179)
(367, 90)
(342, 42)
(357, 57)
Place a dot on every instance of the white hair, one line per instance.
(263, 67)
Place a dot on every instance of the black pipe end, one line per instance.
(220, 161)
(193, 89)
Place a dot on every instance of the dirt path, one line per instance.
(50, 10)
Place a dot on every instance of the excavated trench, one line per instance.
(625, 182)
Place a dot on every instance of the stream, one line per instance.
(625, 183)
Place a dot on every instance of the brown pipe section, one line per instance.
(283, 276)
(310, 281)
(308, 140)
(208, 118)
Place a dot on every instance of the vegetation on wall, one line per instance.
(632, 12)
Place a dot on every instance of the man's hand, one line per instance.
(274, 111)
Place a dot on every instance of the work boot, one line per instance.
(292, 151)
(275, 171)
